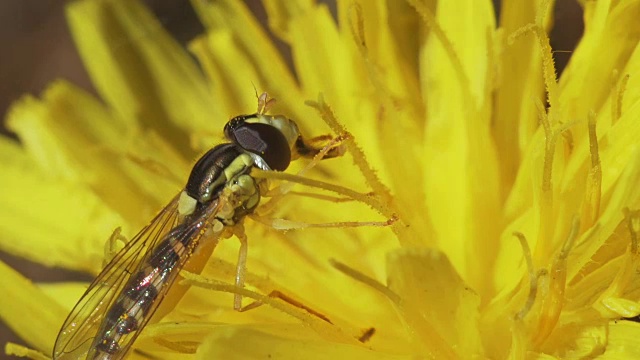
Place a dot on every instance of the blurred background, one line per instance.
(36, 48)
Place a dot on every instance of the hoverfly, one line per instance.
(219, 193)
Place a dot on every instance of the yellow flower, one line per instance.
(516, 194)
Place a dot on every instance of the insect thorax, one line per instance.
(223, 175)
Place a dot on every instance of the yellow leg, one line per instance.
(241, 266)
(114, 244)
(279, 295)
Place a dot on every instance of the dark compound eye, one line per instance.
(261, 139)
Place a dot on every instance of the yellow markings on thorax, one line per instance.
(186, 204)
(237, 165)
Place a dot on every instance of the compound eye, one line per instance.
(261, 139)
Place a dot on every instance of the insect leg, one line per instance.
(310, 148)
(241, 265)
(280, 295)
(279, 191)
(114, 244)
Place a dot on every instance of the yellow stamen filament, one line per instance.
(591, 204)
(430, 20)
(533, 279)
(626, 274)
(633, 224)
(364, 279)
(335, 199)
(356, 152)
(617, 93)
(183, 347)
(356, 25)
(545, 234)
(284, 224)
(12, 349)
(156, 167)
(548, 66)
(553, 302)
(518, 342)
(385, 205)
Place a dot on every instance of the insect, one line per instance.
(219, 193)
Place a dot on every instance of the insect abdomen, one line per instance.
(130, 310)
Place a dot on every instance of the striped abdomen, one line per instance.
(131, 309)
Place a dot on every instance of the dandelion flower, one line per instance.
(515, 192)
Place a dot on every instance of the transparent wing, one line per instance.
(87, 319)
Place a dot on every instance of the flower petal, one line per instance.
(139, 70)
(233, 17)
(520, 78)
(622, 340)
(33, 316)
(449, 324)
(114, 155)
(33, 225)
(462, 180)
(584, 85)
(297, 342)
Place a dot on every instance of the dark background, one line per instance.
(36, 48)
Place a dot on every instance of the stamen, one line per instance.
(533, 279)
(362, 278)
(545, 234)
(591, 204)
(12, 349)
(359, 158)
(182, 347)
(356, 24)
(617, 93)
(549, 145)
(155, 167)
(611, 303)
(335, 199)
(553, 302)
(284, 224)
(548, 65)
(633, 225)
(385, 205)
(438, 32)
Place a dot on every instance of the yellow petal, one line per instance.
(520, 77)
(139, 70)
(251, 40)
(35, 227)
(30, 313)
(584, 84)
(622, 340)
(461, 176)
(290, 342)
(449, 325)
(97, 150)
